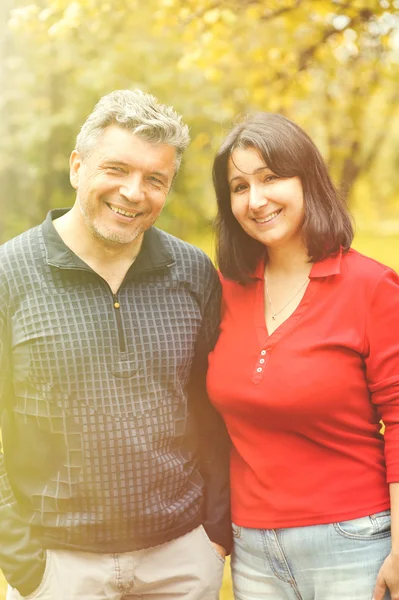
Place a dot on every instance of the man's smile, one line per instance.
(123, 212)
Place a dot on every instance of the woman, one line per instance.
(306, 365)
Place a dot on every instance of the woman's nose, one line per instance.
(257, 198)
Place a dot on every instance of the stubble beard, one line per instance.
(107, 237)
(112, 239)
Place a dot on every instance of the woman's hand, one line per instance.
(388, 577)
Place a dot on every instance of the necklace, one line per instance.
(275, 314)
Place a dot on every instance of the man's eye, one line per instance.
(116, 169)
(155, 181)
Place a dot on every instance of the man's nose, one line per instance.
(132, 189)
(257, 197)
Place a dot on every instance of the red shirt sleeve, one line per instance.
(382, 363)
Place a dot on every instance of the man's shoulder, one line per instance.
(183, 252)
(190, 266)
(20, 241)
(22, 250)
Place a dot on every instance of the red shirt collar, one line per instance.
(323, 268)
(328, 266)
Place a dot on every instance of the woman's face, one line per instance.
(269, 208)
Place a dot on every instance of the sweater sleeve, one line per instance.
(382, 363)
(6, 493)
(21, 558)
(214, 442)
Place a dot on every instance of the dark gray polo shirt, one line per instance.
(110, 443)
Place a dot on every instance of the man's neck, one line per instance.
(74, 232)
(110, 261)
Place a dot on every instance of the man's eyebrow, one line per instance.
(159, 174)
(112, 161)
(258, 170)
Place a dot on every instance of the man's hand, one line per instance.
(388, 577)
(220, 550)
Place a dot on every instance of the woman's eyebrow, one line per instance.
(258, 170)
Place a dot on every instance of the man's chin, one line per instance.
(114, 238)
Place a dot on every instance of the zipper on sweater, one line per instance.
(121, 334)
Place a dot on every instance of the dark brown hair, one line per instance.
(289, 152)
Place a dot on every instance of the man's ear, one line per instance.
(75, 163)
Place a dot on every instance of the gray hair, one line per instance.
(141, 114)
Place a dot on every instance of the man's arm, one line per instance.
(21, 560)
(214, 442)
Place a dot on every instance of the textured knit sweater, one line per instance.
(110, 443)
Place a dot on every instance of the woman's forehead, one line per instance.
(247, 161)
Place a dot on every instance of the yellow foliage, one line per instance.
(211, 16)
(212, 60)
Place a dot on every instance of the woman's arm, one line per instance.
(382, 368)
(388, 577)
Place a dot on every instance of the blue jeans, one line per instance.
(338, 561)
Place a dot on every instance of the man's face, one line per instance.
(122, 185)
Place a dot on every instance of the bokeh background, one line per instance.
(330, 65)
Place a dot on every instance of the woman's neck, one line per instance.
(288, 260)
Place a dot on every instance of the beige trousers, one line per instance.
(187, 567)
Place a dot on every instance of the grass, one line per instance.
(384, 249)
(227, 590)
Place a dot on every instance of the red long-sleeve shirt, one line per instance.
(303, 405)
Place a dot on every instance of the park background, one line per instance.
(330, 65)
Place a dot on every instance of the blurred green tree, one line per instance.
(330, 65)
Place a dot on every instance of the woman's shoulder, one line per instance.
(364, 266)
(365, 271)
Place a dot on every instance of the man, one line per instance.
(114, 475)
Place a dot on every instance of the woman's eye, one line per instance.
(270, 178)
(239, 188)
